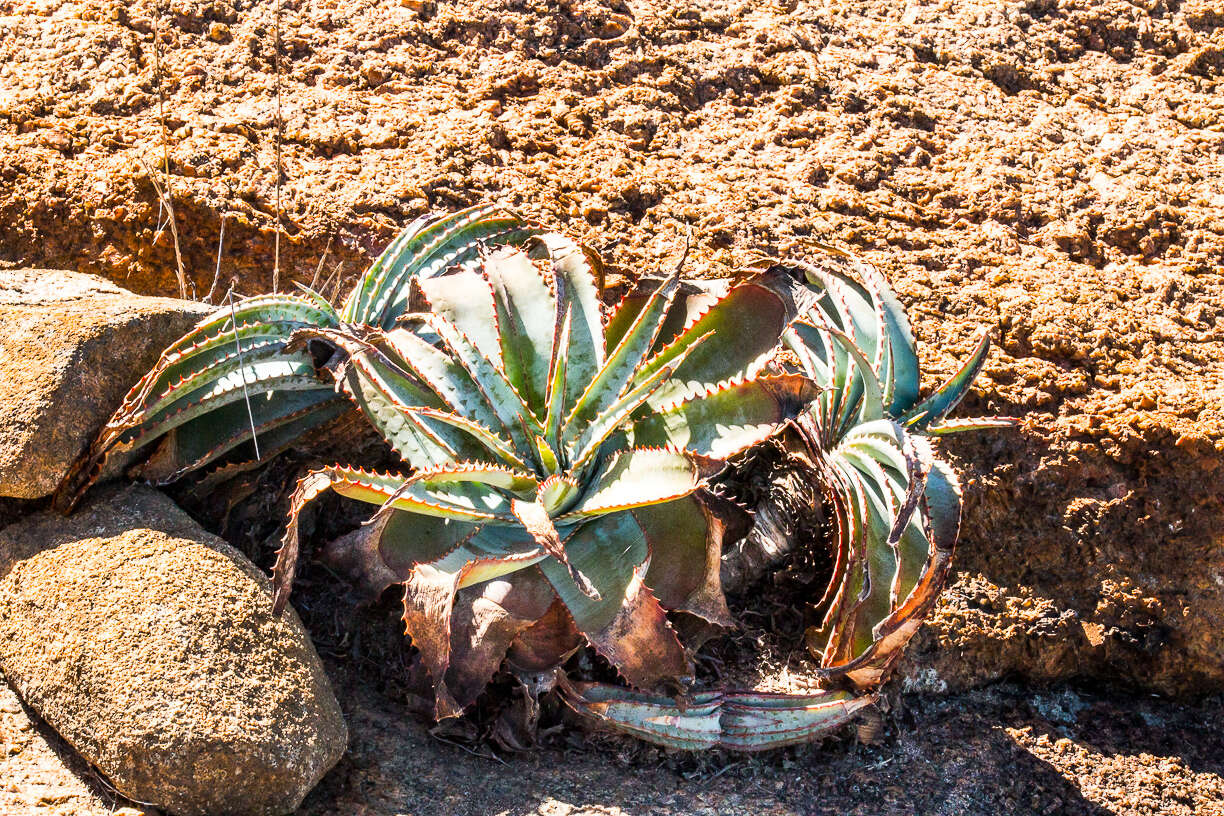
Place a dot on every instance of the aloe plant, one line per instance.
(897, 507)
(552, 494)
(896, 512)
(556, 456)
(230, 386)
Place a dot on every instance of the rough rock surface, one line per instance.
(151, 647)
(1049, 169)
(41, 775)
(71, 347)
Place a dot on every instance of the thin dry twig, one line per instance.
(276, 49)
(217, 274)
(322, 259)
(117, 796)
(333, 283)
(490, 756)
(721, 771)
(163, 195)
(163, 200)
(242, 367)
(688, 243)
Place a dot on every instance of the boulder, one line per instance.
(71, 346)
(150, 646)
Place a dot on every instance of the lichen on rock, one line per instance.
(70, 347)
(151, 647)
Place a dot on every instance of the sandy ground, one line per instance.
(1006, 749)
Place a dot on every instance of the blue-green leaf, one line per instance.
(934, 408)
(625, 624)
(526, 319)
(641, 476)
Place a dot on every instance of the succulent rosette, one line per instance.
(555, 453)
(897, 507)
(555, 457)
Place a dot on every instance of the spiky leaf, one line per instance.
(626, 624)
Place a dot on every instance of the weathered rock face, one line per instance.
(151, 647)
(1049, 169)
(71, 346)
(1094, 538)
